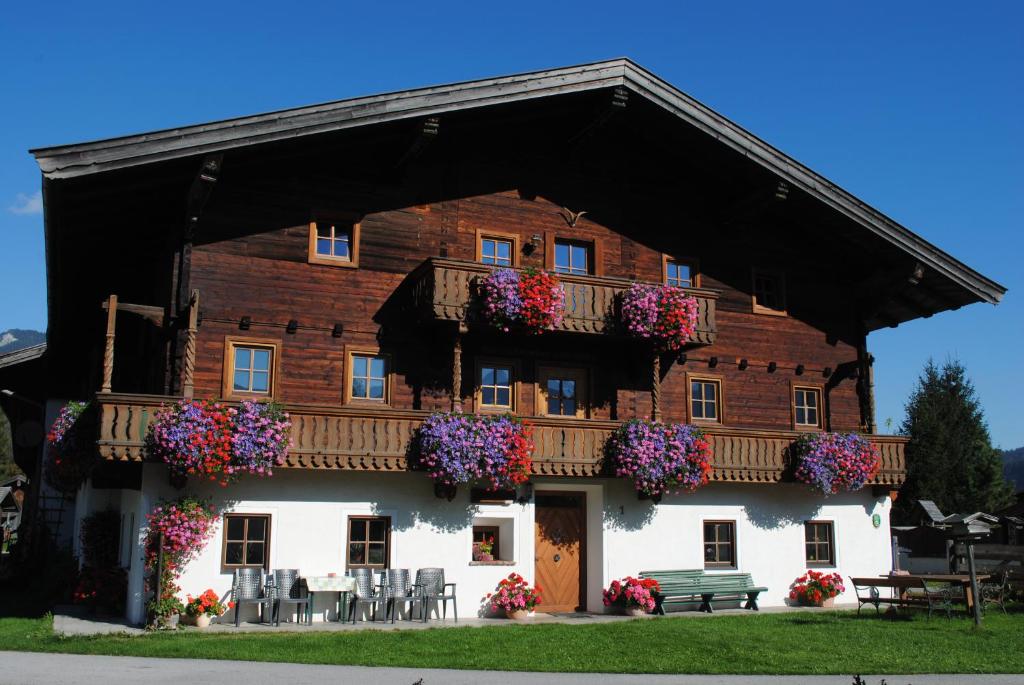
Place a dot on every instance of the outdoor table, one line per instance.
(342, 585)
(962, 580)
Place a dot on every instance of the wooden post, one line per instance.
(975, 598)
(188, 383)
(656, 387)
(457, 370)
(108, 352)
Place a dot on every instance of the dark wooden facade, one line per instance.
(232, 226)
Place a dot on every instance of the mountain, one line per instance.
(18, 338)
(1013, 467)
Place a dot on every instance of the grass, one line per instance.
(811, 643)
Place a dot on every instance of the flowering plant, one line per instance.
(660, 458)
(483, 550)
(208, 604)
(179, 529)
(815, 587)
(662, 313)
(259, 437)
(532, 300)
(70, 455)
(193, 437)
(514, 594)
(199, 437)
(463, 448)
(632, 592)
(835, 461)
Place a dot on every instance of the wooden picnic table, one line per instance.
(960, 579)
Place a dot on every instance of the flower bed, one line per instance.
(513, 594)
(660, 458)
(835, 461)
(457, 449)
(70, 454)
(186, 525)
(632, 593)
(533, 301)
(815, 588)
(663, 314)
(210, 440)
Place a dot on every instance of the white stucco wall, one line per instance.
(624, 535)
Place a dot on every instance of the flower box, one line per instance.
(659, 458)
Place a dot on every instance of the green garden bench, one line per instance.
(689, 586)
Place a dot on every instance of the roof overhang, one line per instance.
(70, 161)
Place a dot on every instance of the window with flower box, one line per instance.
(246, 541)
(369, 542)
(720, 544)
(819, 543)
(486, 537)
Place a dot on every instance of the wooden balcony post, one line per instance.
(457, 369)
(656, 386)
(108, 351)
(189, 362)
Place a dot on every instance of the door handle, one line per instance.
(558, 557)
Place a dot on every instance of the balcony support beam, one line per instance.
(457, 368)
(108, 350)
(655, 386)
(188, 382)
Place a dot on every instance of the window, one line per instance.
(769, 292)
(369, 541)
(249, 368)
(572, 257)
(807, 407)
(562, 392)
(720, 544)
(334, 242)
(819, 543)
(706, 399)
(498, 249)
(496, 388)
(367, 377)
(489, 536)
(246, 541)
(680, 273)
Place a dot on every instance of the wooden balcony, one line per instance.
(368, 440)
(444, 288)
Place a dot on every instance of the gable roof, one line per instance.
(25, 354)
(69, 161)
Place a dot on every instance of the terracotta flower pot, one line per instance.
(518, 615)
(203, 621)
(826, 603)
(635, 611)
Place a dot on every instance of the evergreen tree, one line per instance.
(950, 457)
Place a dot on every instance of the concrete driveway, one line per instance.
(23, 668)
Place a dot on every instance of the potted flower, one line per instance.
(532, 301)
(835, 461)
(659, 458)
(514, 597)
(166, 611)
(816, 589)
(632, 596)
(484, 550)
(664, 314)
(204, 607)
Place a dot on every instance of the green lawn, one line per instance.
(816, 643)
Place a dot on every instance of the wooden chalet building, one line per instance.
(324, 256)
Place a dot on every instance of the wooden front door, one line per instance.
(560, 550)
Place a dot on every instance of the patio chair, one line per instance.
(290, 590)
(398, 587)
(432, 588)
(248, 587)
(366, 593)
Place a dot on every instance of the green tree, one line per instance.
(7, 466)
(950, 457)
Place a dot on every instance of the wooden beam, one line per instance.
(108, 352)
(148, 312)
(189, 362)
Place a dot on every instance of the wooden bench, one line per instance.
(907, 592)
(689, 586)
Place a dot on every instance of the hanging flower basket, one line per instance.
(663, 314)
(835, 462)
(209, 440)
(531, 301)
(457, 449)
(71, 452)
(660, 458)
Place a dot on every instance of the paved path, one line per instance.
(22, 668)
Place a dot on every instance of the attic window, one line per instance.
(334, 242)
(769, 292)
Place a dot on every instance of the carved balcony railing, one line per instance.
(444, 289)
(378, 440)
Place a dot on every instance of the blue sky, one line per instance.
(915, 107)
